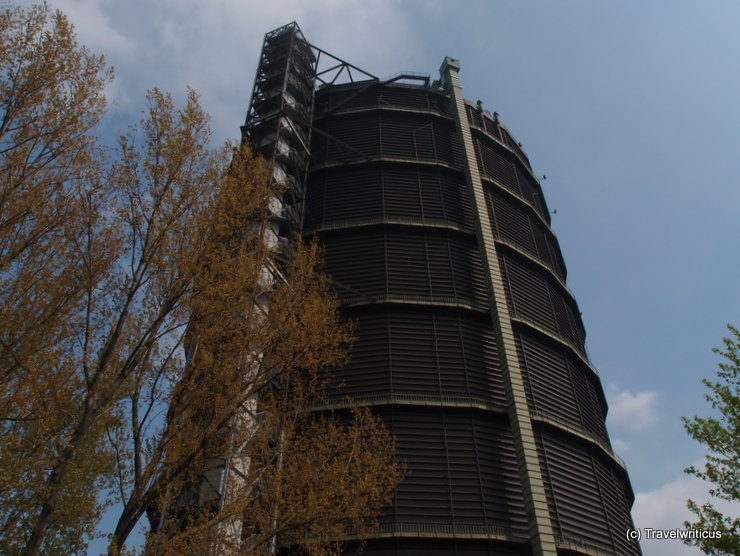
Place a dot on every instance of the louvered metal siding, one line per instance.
(513, 222)
(391, 191)
(388, 198)
(531, 191)
(426, 547)
(534, 295)
(500, 165)
(431, 353)
(372, 95)
(356, 137)
(402, 261)
(493, 164)
(462, 468)
(514, 145)
(560, 386)
(587, 499)
(614, 493)
(475, 116)
(588, 491)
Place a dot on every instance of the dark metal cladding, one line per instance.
(386, 195)
(388, 191)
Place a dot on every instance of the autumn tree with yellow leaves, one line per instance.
(150, 337)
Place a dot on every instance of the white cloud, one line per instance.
(665, 508)
(620, 445)
(94, 27)
(633, 410)
(214, 46)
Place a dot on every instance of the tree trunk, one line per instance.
(55, 481)
(130, 516)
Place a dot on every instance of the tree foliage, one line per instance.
(721, 435)
(151, 335)
(50, 100)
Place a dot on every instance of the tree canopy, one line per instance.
(150, 338)
(721, 435)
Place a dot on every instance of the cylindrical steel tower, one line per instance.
(469, 344)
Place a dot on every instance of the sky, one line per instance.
(631, 109)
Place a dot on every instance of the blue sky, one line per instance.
(631, 109)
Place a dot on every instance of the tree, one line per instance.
(125, 268)
(50, 100)
(259, 335)
(149, 335)
(721, 435)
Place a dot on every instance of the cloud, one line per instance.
(94, 27)
(665, 508)
(214, 46)
(620, 445)
(634, 410)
